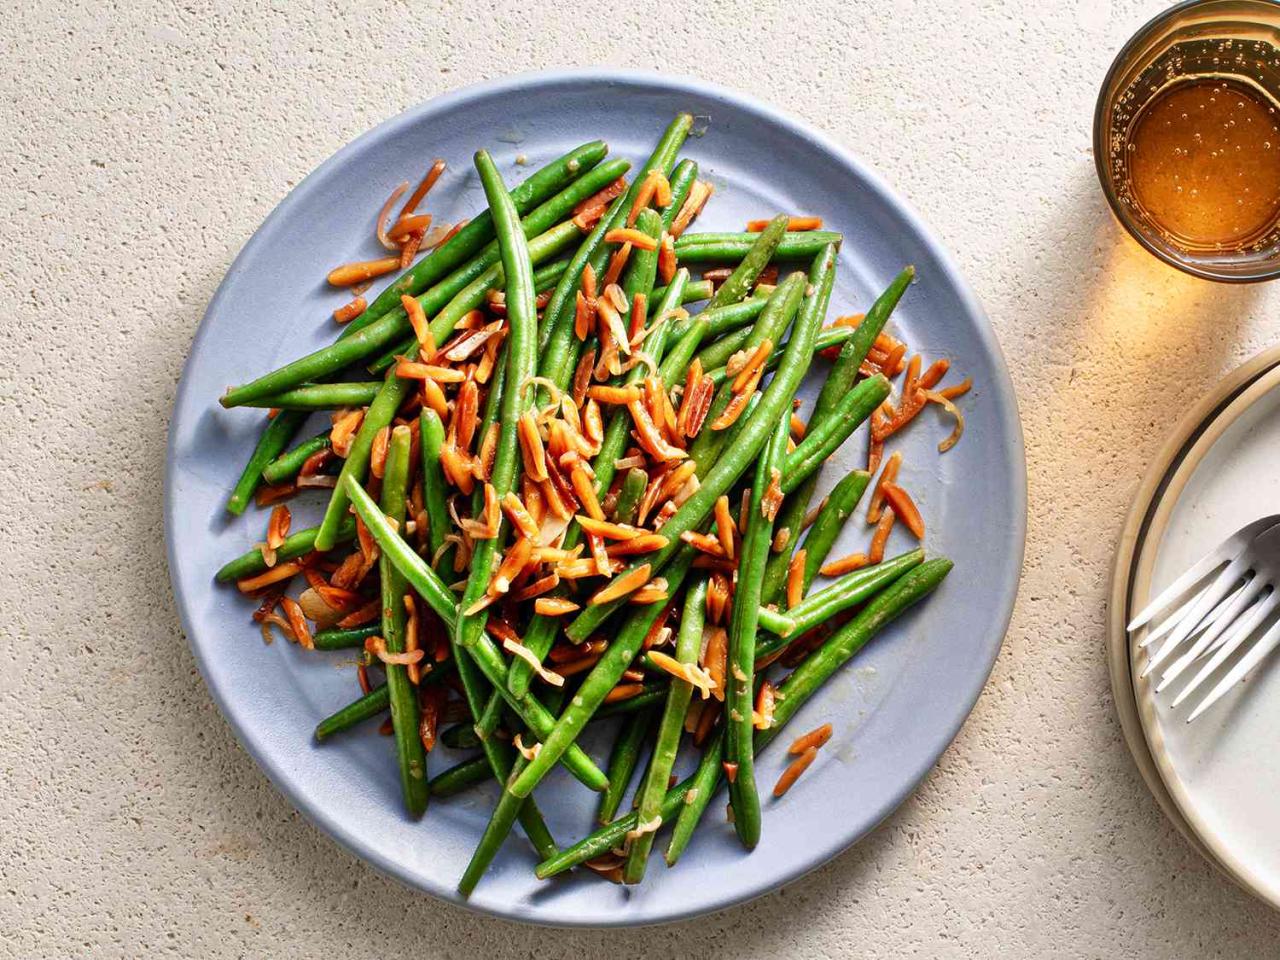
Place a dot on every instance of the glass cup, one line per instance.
(1232, 40)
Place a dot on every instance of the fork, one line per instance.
(1243, 589)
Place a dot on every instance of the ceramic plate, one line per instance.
(1220, 770)
(894, 710)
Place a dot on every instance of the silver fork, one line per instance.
(1243, 589)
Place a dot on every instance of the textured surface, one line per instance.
(146, 144)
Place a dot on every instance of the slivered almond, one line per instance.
(586, 491)
(351, 274)
(624, 585)
(535, 459)
(793, 224)
(465, 413)
(771, 501)
(518, 649)
(888, 475)
(645, 543)
(725, 526)
(583, 567)
(345, 426)
(667, 263)
(699, 193)
(639, 313)
(703, 543)
(515, 560)
(878, 540)
(415, 370)
(553, 606)
(689, 672)
(278, 526)
(649, 436)
(854, 561)
(433, 399)
(739, 402)
(624, 691)
(608, 530)
(276, 574)
(616, 264)
(792, 773)
(814, 739)
(637, 238)
(520, 517)
(584, 316)
(615, 395)
(297, 622)
(644, 194)
(900, 502)
(655, 591)
(469, 342)
(378, 452)
(488, 450)
(347, 313)
(795, 578)
(538, 587)
(555, 503)
(754, 362)
(715, 652)
(717, 598)
(766, 699)
(604, 565)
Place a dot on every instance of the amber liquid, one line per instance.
(1204, 164)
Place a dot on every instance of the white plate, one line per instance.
(1222, 772)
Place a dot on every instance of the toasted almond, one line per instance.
(553, 606)
(297, 622)
(637, 238)
(535, 458)
(627, 583)
(795, 578)
(814, 739)
(348, 312)
(520, 517)
(793, 224)
(854, 561)
(645, 543)
(715, 652)
(616, 264)
(697, 198)
(667, 263)
(351, 274)
(650, 437)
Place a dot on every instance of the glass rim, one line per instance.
(1100, 110)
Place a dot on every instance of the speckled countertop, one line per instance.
(146, 142)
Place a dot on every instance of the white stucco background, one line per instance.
(144, 143)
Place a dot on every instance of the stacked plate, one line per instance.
(1217, 778)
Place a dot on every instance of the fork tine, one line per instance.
(1220, 554)
(1221, 586)
(1247, 663)
(1216, 625)
(1172, 620)
(1237, 635)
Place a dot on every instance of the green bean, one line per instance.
(715, 355)
(488, 721)
(852, 410)
(286, 466)
(607, 837)
(753, 263)
(338, 638)
(633, 486)
(730, 317)
(702, 787)
(404, 698)
(623, 760)
(521, 361)
(414, 569)
(474, 241)
(459, 777)
(844, 373)
(676, 362)
(320, 396)
(653, 789)
(495, 832)
(382, 333)
(653, 692)
(295, 545)
(773, 405)
(474, 294)
(556, 342)
(368, 706)
(777, 315)
(840, 647)
(438, 596)
(822, 278)
(461, 736)
(839, 506)
(742, 642)
(693, 292)
(275, 437)
(602, 678)
(435, 498)
(848, 591)
(694, 248)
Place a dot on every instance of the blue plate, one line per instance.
(895, 709)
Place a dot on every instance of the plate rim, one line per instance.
(1006, 418)
(1147, 517)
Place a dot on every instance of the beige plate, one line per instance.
(1132, 572)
